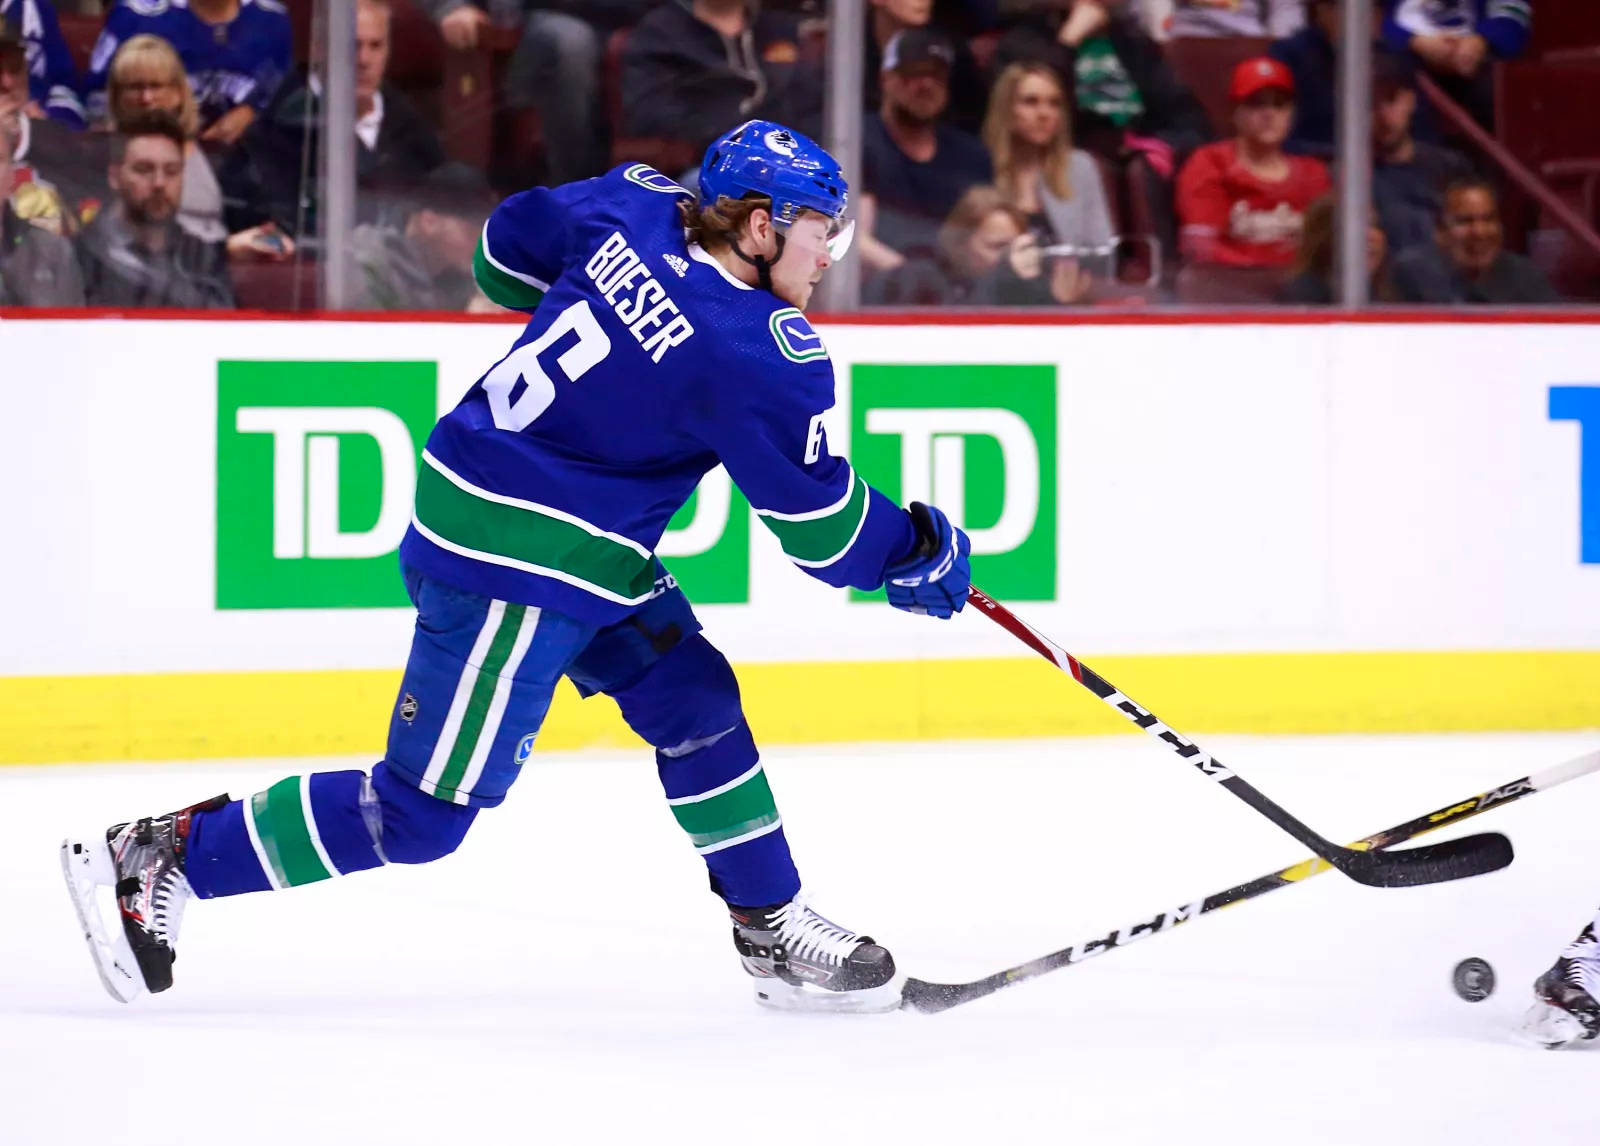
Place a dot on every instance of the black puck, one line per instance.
(1473, 979)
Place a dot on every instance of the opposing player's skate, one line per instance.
(142, 862)
(803, 962)
(1566, 1009)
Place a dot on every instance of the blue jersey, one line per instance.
(240, 62)
(52, 76)
(644, 365)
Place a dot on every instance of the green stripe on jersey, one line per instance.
(281, 819)
(822, 537)
(502, 288)
(742, 810)
(494, 662)
(530, 537)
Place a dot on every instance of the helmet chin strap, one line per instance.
(762, 264)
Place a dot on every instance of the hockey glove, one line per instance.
(933, 579)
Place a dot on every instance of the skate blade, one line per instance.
(1548, 1027)
(87, 866)
(781, 996)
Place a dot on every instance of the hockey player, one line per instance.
(1567, 997)
(666, 336)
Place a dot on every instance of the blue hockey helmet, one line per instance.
(761, 157)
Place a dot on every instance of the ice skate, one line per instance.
(803, 962)
(142, 862)
(1565, 1010)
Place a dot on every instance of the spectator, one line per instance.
(1271, 18)
(695, 68)
(273, 173)
(1454, 39)
(426, 262)
(913, 166)
(235, 51)
(1036, 167)
(556, 69)
(1313, 282)
(1469, 263)
(37, 268)
(1126, 99)
(986, 257)
(886, 18)
(1408, 175)
(1311, 56)
(133, 253)
(1241, 201)
(52, 75)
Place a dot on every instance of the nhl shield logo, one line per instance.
(408, 708)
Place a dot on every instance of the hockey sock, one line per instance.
(719, 794)
(301, 830)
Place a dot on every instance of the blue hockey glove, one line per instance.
(934, 578)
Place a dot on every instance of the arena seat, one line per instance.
(290, 286)
(1205, 65)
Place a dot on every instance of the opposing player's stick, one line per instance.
(1453, 859)
(930, 998)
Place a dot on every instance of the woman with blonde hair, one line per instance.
(146, 74)
(1035, 165)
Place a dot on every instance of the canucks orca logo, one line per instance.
(643, 175)
(525, 748)
(781, 142)
(794, 336)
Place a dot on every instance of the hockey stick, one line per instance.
(930, 998)
(1436, 863)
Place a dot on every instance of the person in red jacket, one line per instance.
(1241, 202)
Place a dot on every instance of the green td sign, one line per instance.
(316, 472)
(977, 441)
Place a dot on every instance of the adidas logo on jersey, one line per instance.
(677, 264)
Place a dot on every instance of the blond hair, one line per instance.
(998, 138)
(969, 213)
(146, 57)
(719, 223)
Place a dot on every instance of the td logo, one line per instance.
(980, 443)
(316, 472)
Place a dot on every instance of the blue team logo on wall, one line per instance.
(1581, 404)
(525, 748)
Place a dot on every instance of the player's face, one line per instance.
(150, 178)
(1036, 110)
(805, 257)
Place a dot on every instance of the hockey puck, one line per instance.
(1473, 979)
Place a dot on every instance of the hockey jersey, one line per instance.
(644, 365)
(240, 62)
(52, 76)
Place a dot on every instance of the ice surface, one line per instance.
(567, 978)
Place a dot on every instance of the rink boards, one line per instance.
(1248, 526)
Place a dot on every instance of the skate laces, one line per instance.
(809, 935)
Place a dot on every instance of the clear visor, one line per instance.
(835, 237)
(840, 235)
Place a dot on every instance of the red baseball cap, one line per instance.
(1257, 74)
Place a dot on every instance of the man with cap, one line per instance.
(1241, 201)
(914, 166)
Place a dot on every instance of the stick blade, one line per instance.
(931, 998)
(1431, 863)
